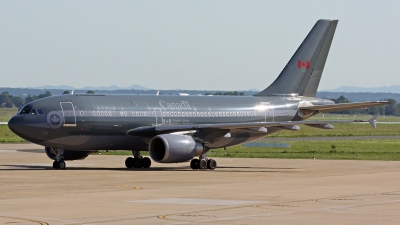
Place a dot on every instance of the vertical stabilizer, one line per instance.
(303, 72)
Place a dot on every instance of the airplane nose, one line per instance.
(12, 124)
(17, 125)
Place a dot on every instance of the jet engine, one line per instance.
(68, 154)
(174, 148)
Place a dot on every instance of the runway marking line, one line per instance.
(25, 219)
(253, 215)
(287, 212)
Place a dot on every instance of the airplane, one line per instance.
(175, 129)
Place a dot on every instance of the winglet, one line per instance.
(372, 121)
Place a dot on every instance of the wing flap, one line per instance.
(163, 129)
(342, 106)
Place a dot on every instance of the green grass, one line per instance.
(328, 116)
(129, 153)
(7, 136)
(342, 130)
(7, 113)
(384, 149)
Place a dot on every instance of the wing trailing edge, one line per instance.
(151, 131)
(342, 106)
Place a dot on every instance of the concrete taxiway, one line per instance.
(99, 190)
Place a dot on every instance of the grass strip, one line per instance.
(384, 149)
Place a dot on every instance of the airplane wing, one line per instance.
(257, 126)
(342, 106)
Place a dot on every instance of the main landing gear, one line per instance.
(203, 163)
(137, 161)
(59, 163)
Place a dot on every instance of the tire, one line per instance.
(128, 162)
(211, 164)
(194, 164)
(62, 165)
(146, 162)
(137, 163)
(203, 164)
(55, 165)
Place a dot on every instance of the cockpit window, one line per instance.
(40, 112)
(28, 110)
(25, 110)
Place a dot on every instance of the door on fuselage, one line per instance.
(68, 111)
(268, 111)
(158, 117)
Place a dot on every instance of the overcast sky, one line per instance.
(202, 45)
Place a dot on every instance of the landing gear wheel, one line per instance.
(203, 164)
(61, 165)
(55, 165)
(129, 162)
(194, 164)
(211, 164)
(137, 163)
(146, 162)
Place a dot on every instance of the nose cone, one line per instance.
(26, 126)
(14, 123)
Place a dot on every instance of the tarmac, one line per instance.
(100, 190)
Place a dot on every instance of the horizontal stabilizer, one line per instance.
(372, 121)
(342, 106)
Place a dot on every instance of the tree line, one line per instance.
(9, 101)
(234, 93)
(392, 109)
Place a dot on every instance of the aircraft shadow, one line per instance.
(161, 169)
(32, 150)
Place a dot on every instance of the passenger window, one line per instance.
(40, 112)
(33, 112)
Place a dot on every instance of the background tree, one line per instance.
(17, 101)
(44, 95)
(30, 98)
(391, 109)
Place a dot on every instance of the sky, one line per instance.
(198, 45)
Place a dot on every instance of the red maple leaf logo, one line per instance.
(305, 64)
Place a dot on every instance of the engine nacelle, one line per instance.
(68, 154)
(174, 148)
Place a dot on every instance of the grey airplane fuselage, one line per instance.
(101, 122)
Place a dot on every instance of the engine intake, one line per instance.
(173, 148)
(68, 154)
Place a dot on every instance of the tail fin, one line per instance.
(303, 72)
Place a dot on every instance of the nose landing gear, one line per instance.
(59, 163)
